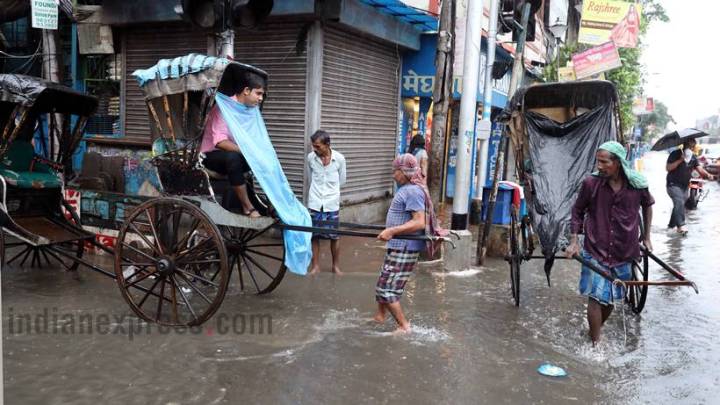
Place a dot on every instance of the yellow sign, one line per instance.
(566, 74)
(609, 20)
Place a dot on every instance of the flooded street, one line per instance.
(310, 340)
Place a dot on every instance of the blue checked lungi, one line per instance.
(330, 216)
(396, 270)
(598, 288)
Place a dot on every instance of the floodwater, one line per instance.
(310, 340)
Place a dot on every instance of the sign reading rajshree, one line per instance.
(44, 14)
(609, 20)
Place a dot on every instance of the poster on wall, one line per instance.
(407, 123)
(44, 14)
(609, 20)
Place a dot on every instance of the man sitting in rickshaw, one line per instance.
(222, 154)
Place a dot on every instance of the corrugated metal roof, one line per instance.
(422, 20)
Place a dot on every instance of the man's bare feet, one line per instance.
(252, 213)
(314, 270)
(337, 271)
(379, 317)
(401, 330)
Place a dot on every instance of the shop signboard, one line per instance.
(493, 147)
(566, 74)
(596, 60)
(418, 75)
(610, 20)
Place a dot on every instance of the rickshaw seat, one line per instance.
(19, 170)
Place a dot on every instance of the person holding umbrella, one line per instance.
(680, 165)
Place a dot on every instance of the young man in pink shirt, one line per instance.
(222, 154)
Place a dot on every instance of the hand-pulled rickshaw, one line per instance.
(175, 253)
(555, 130)
(39, 225)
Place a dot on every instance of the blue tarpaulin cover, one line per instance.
(178, 67)
(423, 21)
(249, 132)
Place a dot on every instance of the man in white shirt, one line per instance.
(327, 174)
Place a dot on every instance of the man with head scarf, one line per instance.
(406, 216)
(607, 212)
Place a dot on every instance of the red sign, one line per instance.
(596, 60)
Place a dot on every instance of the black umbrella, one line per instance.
(676, 138)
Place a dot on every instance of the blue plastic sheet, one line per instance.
(249, 132)
(177, 67)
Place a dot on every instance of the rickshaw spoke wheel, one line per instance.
(637, 295)
(23, 254)
(171, 263)
(514, 258)
(259, 257)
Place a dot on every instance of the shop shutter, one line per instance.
(144, 46)
(278, 49)
(360, 109)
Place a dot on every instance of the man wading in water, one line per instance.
(406, 216)
(607, 213)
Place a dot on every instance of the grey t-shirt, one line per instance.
(409, 198)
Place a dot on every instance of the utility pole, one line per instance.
(517, 73)
(468, 103)
(442, 95)
(51, 71)
(485, 126)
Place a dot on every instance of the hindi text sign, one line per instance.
(596, 60)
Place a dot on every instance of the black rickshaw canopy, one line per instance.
(45, 96)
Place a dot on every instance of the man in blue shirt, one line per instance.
(406, 216)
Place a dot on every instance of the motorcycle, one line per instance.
(697, 193)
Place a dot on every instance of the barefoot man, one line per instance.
(406, 216)
(607, 212)
(327, 174)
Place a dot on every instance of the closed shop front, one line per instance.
(143, 47)
(360, 109)
(275, 48)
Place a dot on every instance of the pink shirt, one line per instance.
(216, 131)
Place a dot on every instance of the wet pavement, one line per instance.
(310, 340)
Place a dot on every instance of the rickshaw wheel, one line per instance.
(514, 258)
(636, 294)
(44, 256)
(171, 263)
(259, 257)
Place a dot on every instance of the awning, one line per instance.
(422, 20)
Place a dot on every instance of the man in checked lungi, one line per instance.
(406, 216)
(607, 212)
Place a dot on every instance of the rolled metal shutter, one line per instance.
(360, 109)
(144, 46)
(279, 49)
